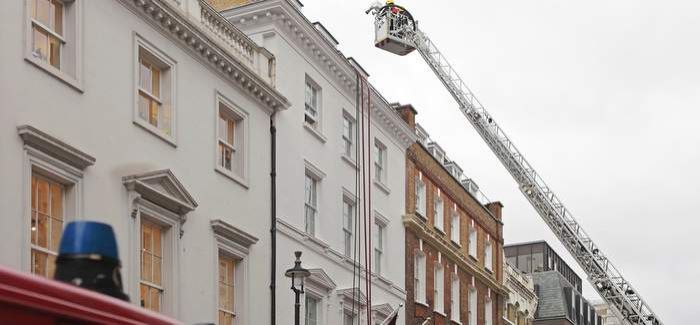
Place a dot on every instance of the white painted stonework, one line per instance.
(302, 51)
(80, 131)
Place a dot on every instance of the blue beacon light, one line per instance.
(88, 257)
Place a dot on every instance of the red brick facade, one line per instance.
(436, 244)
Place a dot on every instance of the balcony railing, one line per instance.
(256, 58)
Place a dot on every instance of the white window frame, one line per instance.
(488, 255)
(241, 140)
(455, 227)
(419, 277)
(315, 128)
(168, 209)
(473, 303)
(170, 236)
(473, 241)
(379, 243)
(58, 161)
(439, 212)
(420, 197)
(455, 293)
(236, 244)
(488, 311)
(349, 140)
(314, 173)
(348, 201)
(380, 163)
(168, 92)
(319, 305)
(439, 287)
(71, 64)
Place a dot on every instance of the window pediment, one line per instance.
(224, 229)
(350, 294)
(383, 310)
(162, 188)
(320, 279)
(54, 147)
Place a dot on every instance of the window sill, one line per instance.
(240, 180)
(456, 243)
(58, 74)
(422, 303)
(421, 216)
(349, 161)
(473, 258)
(441, 313)
(488, 270)
(452, 321)
(440, 230)
(382, 187)
(316, 133)
(155, 131)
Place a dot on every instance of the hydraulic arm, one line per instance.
(397, 32)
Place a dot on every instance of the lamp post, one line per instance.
(298, 274)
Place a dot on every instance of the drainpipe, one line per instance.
(273, 215)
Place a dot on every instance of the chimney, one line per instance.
(408, 113)
(496, 209)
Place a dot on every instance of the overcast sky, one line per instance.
(602, 97)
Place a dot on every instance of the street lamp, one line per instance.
(298, 274)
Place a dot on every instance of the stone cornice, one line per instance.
(192, 35)
(54, 147)
(289, 20)
(432, 237)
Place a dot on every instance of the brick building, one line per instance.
(454, 244)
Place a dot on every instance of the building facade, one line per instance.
(606, 315)
(152, 116)
(321, 208)
(454, 261)
(522, 299)
(557, 286)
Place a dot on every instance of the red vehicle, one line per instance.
(29, 299)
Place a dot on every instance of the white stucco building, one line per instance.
(522, 299)
(317, 169)
(152, 116)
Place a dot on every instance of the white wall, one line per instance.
(297, 145)
(98, 121)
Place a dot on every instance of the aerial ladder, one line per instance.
(397, 32)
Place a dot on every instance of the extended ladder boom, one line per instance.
(399, 28)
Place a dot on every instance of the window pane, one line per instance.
(153, 113)
(146, 267)
(145, 81)
(54, 52)
(56, 231)
(42, 12)
(165, 123)
(39, 261)
(57, 24)
(157, 241)
(231, 127)
(56, 201)
(40, 44)
(43, 195)
(43, 231)
(157, 267)
(222, 126)
(155, 81)
(155, 299)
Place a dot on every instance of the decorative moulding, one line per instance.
(162, 188)
(320, 278)
(54, 147)
(228, 231)
(181, 27)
